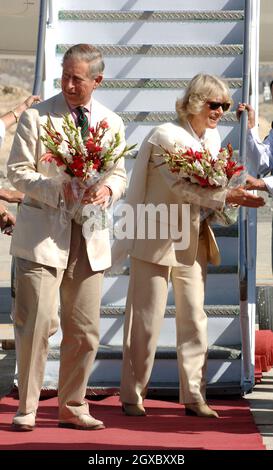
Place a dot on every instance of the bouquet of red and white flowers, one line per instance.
(83, 159)
(200, 167)
(81, 163)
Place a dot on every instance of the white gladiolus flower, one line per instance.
(222, 155)
(64, 150)
(216, 180)
(197, 166)
(219, 165)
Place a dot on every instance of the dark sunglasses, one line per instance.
(215, 105)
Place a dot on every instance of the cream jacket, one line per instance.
(152, 183)
(40, 234)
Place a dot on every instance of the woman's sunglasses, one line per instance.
(215, 105)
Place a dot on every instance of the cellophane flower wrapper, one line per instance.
(100, 219)
(229, 214)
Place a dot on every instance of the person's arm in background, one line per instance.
(6, 218)
(11, 195)
(12, 116)
(259, 154)
(8, 195)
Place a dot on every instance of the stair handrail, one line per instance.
(242, 153)
(246, 327)
(50, 13)
(40, 50)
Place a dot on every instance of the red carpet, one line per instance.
(263, 353)
(165, 427)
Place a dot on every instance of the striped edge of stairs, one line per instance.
(151, 16)
(211, 310)
(223, 269)
(151, 50)
(149, 83)
(157, 389)
(163, 116)
(115, 352)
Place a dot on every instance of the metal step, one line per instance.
(221, 289)
(125, 27)
(162, 5)
(136, 61)
(223, 327)
(142, 99)
(211, 310)
(115, 352)
(222, 269)
(229, 231)
(5, 298)
(163, 50)
(150, 16)
(157, 389)
(153, 84)
(107, 369)
(136, 132)
(162, 117)
(145, 62)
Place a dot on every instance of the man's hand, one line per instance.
(250, 111)
(97, 196)
(255, 183)
(10, 195)
(240, 197)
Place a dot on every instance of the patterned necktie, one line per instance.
(83, 122)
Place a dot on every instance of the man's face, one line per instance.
(77, 86)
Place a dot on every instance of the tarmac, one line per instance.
(260, 400)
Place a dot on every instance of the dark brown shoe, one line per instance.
(201, 410)
(133, 410)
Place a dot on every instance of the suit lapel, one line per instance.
(59, 109)
(98, 112)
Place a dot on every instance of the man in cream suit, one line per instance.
(53, 257)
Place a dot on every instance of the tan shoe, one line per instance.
(133, 410)
(83, 422)
(200, 409)
(24, 422)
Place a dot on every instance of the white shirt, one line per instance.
(260, 156)
(2, 131)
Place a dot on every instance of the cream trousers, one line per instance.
(145, 308)
(36, 318)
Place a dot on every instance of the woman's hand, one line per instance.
(239, 196)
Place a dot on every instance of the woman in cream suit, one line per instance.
(156, 261)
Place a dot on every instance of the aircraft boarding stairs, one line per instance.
(152, 49)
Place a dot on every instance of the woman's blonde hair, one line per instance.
(201, 88)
